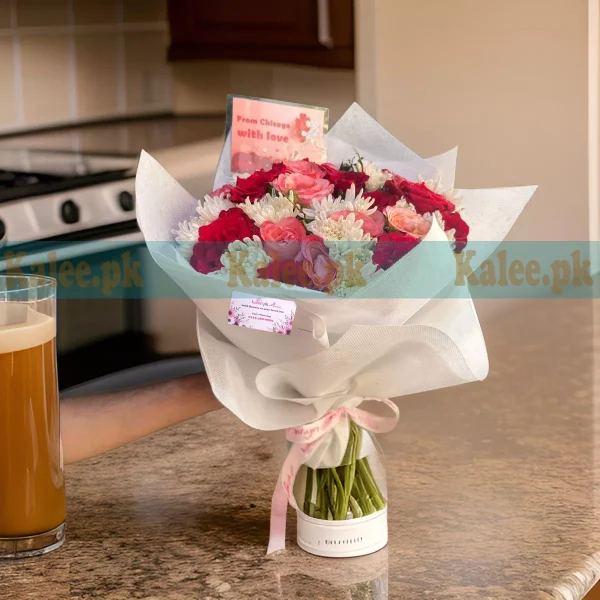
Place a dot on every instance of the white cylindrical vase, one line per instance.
(343, 539)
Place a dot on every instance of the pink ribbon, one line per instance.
(306, 440)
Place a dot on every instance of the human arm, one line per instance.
(91, 425)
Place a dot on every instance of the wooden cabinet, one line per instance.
(306, 32)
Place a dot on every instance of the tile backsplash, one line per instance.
(64, 61)
(72, 60)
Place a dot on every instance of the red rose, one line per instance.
(461, 229)
(257, 185)
(207, 256)
(253, 187)
(343, 180)
(329, 169)
(233, 224)
(419, 195)
(234, 194)
(382, 199)
(391, 247)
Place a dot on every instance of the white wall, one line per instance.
(506, 81)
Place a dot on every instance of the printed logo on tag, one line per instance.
(265, 131)
(265, 314)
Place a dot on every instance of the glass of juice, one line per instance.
(32, 489)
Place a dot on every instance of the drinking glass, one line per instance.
(32, 489)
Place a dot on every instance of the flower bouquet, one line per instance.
(322, 286)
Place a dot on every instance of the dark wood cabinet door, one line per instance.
(313, 32)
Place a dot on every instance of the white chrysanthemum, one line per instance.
(247, 253)
(377, 177)
(345, 228)
(404, 203)
(436, 186)
(186, 235)
(271, 207)
(321, 209)
(209, 209)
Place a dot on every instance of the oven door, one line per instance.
(106, 320)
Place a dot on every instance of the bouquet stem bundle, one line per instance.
(345, 492)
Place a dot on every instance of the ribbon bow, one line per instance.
(306, 439)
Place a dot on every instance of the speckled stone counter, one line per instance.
(493, 494)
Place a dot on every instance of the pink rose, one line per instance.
(372, 224)
(408, 221)
(304, 167)
(282, 251)
(316, 262)
(307, 188)
(282, 239)
(286, 230)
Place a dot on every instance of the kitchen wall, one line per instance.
(67, 60)
(204, 85)
(505, 81)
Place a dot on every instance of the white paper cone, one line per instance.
(383, 341)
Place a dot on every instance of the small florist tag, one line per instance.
(265, 131)
(264, 314)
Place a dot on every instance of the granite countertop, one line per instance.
(493, 494)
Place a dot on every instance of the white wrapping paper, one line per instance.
(381, 342)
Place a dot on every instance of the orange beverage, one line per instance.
(32, 490)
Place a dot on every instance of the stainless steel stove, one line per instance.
(47, 195)
(63, 206)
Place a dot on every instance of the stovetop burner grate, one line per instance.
(27, 173)
(15, 185)
(17, 179)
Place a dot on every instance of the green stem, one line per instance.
(369, 483)
(322, 495)
(362, 496)
(329, 492)
(350, 488)
(355, 508)
(308, 491)
(350, 468)
(339, 497)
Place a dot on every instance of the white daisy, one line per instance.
(271, 207)
(186, 235)
(377, 177)
(209, 209)
(351, 201)
(345, 228)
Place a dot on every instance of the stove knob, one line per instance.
(69, 212)
(127, 201)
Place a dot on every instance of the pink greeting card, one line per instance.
(264, 131)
